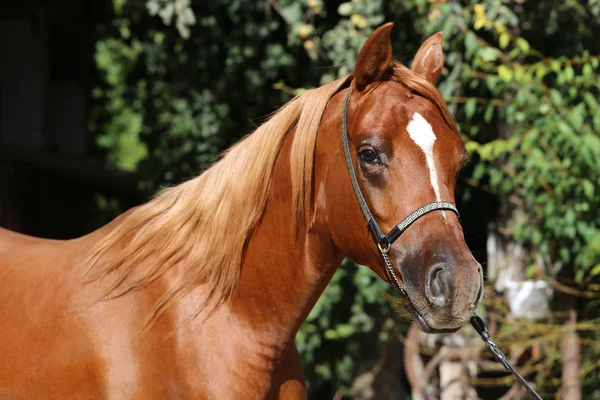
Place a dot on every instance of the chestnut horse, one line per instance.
(198, 294)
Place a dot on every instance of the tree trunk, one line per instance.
(571, 354)
(453, 384)
(414, 368)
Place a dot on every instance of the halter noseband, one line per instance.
(383, 241)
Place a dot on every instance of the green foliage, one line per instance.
(115, 60)
(340, 334)
(167, 105)
(180, 9)
(545, 158)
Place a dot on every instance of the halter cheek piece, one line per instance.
(385, 241)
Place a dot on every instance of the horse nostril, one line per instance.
(438, 288)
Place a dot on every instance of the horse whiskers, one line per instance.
(401, 306)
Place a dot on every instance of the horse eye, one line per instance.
(369, 156)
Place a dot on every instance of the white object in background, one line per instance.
(529, 299)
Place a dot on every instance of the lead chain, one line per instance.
(389, 270)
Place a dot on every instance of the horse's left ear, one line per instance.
(374, 58)
(429, 61)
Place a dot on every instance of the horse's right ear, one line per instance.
(374, 58)
(429, 61)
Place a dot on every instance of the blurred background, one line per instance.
(103, 102)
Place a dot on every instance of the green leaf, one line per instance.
(479, 23)
(591, 101)
(152, 6)
(474, 84)
(576, 115)
(470, 107)
(489, 113)
(492, 82)
(545, 108)
(556, 97)
(588, 188)
(596, 123)
(596, 270)
(504, 39)
(564, 128)
(519, 72)
(472, 146)
(587, 71)
(479, 171)
(488, 54)
(345, 9)
(540, 72)
(293, 11)
(555, 66)
(359, 21)
(471, 44)
(505, 73)
(569, 73)
(523, 45)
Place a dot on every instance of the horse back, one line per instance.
(40, 341)
(58, 340)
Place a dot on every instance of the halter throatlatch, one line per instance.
(383, 241)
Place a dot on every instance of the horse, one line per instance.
(199, 293)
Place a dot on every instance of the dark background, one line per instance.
(49, 168)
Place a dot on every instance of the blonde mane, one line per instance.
(203, 225)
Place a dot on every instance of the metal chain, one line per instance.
(389, 269)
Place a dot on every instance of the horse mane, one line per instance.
(203, 225)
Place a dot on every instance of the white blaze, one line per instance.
(421, 133)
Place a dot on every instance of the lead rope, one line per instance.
(480, 327)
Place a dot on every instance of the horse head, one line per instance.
(406, 153)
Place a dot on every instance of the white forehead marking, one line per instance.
(421, 133)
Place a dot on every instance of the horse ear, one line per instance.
(374, 58)
(429, 61)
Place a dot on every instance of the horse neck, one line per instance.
(287, 265)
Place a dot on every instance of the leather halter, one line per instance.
(384, 241)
